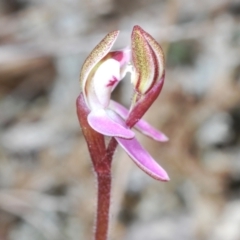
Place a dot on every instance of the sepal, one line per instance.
(143, 159)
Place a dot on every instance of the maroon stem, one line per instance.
(111, 148)
(104, 192)
(103, 205)
(101, 159)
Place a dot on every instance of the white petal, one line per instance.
(106, 78)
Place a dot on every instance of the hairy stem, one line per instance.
(111, 148)
(104, 192)
(103, 205)
(101, 159)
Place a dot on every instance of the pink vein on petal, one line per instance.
(112, 82)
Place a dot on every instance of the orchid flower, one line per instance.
(99, 116)
(100, 74)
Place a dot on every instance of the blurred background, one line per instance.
(47, 188)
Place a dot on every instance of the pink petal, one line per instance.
(143, 159)
(100, 121)
(150, 131)
(119, 109)
(141, 125)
